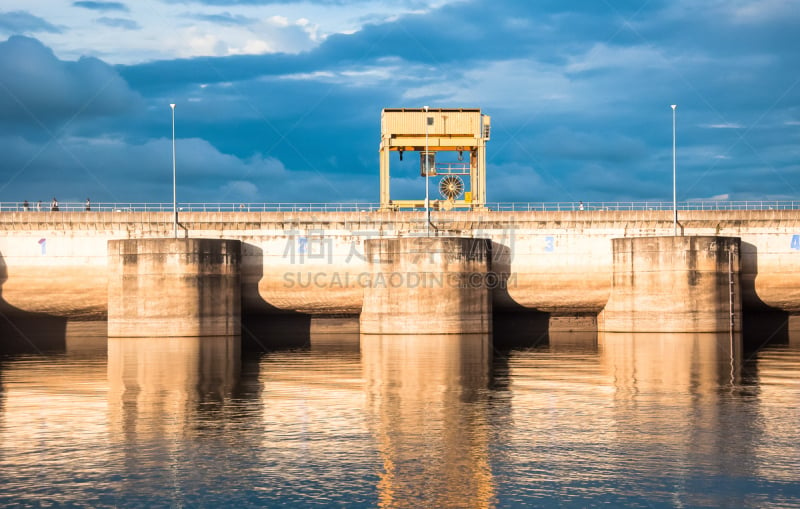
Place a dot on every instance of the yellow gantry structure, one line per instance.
(431, 130)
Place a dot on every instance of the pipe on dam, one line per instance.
(174, 287)
(428, 285)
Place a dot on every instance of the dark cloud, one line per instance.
(102, 6)
(568, 145)
(20, 22)
(38, 89)
(126, 24)
(116, 170)
(474, 33)
(579, 94)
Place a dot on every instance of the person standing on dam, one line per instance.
(25, 205)
(54, 205)
(88, 206)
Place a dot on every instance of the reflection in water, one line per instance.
(632, 420)
(778, 396)
(673, 395)
(570, 341)
(313, 445)
(167, 402)
(427, 397)
(649, 420)
(689, 363)
(53, 426)
(556, 438)
(152, 377)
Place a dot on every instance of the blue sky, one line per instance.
(281, 101)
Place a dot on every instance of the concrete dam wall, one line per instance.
(317, 263)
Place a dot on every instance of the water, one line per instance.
(622, 420)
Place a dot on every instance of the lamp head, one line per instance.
(674, 106)
(172, 105)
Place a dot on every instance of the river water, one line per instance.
(634, 420)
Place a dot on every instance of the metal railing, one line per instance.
(649, 205)
(367, 207)
(452, 168)
(190, 207)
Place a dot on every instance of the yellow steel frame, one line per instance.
(456, 129)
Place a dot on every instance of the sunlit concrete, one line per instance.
(174, 287)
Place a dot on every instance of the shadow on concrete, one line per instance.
(500, 265)
(266, 327)
(515, 326)
(544, 330)
(282, 331)
(761, 324)
(26, 332)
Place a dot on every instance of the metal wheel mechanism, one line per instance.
(451, 187)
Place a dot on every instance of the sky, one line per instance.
(281, 101)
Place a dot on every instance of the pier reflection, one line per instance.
(687, 363)
(673, 398)
(613, 424)
(150, 379)
(427, 398)
(168, 399)
(772, 374)
(362, 421)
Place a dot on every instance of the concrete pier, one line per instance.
(56, 265)
(427, 285)
(674, 284)
(174, 287)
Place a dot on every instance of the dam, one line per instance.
(582, 269)
(443, 266)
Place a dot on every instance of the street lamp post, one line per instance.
(427, 172)
(674, 187)
(174, 193)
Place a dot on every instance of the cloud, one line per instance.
(310, 2)
(239, 190)
(726, 125)
(20, 22)
(126, 24)
(38, 89)
(581, 114)
(718, 197)
(520, 182)
(102, 6)
(566, 144)
(758, 11)
(117, 170)
(579, 96)
(224, 18)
